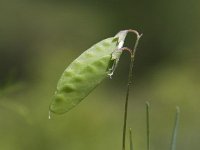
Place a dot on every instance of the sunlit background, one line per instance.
(38, 40)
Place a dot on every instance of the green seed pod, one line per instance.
(86, 72)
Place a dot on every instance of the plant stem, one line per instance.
(130, 81)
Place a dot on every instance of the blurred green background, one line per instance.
(39, 38)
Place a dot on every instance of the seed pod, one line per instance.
(86, 72)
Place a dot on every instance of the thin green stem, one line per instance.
(148, 126)
(175, 129)
(130, 80)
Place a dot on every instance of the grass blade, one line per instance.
(148, 126)
(175, 129)
(131, 139)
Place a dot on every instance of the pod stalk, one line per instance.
(130, 81)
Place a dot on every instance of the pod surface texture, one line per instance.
(83, 75)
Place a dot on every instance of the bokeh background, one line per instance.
(39, 38)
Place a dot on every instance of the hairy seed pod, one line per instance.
(86, 72)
